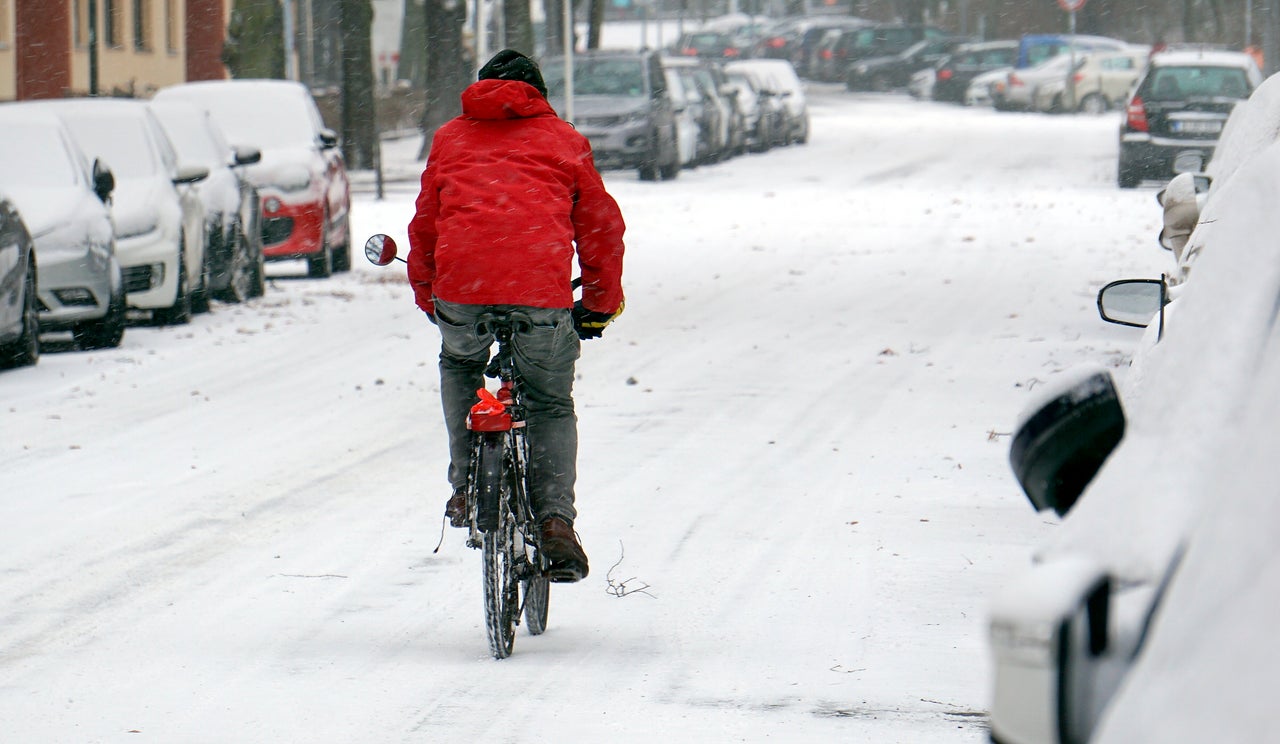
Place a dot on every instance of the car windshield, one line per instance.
(260, 117)
(34, 156)
(1186, 82)
(120, 141)
(191, 137)
(597, 77)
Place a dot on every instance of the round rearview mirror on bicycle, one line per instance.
(380, 249)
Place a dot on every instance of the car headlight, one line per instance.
(860, 69)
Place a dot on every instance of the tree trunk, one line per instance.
(449, 66)
(359, 120)
(555, 26)
(595, 21)
(517, 18)
(413, 54)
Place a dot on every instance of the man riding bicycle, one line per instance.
(510, 195)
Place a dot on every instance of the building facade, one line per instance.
(142, 45)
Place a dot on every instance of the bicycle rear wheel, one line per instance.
(537, 595)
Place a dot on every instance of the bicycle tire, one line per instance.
(537, 596)
(501, 589)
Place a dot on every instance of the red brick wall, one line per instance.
(206, 29)
(43, 48)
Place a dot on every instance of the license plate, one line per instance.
(1197, 126)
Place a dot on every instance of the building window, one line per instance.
(142, 25)
(112, 20)
(171, 32)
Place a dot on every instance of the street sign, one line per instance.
(1071, 6)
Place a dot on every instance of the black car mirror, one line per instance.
(328, 139)
(1064, 441)
(190, 174)
(1132, 302)
(244, 155)
(104, 181)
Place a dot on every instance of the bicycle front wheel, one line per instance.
(501, 588)
(537, 595)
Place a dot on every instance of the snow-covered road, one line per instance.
(794, 441)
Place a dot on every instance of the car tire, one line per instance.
(341, 256)
(179, 313)
(320, 266)
(107, 332)
(25, 350)
(880, 83)
(1093, 104)
(200, 295)
(240, 269)
(1128, 177)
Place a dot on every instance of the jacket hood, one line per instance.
(503, 99)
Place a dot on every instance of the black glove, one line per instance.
(589, 323)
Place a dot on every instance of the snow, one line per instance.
(794, 442)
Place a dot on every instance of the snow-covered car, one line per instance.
(1148, 614)
(1102, 82)
(19, 318)
(779, 78)
(63, 200)
(758, 113)
(301, 178)
(711, 107)
(158, 217)
(232, 229)
(1177, 111)
(624, 104)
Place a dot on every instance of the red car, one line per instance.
(302, 177)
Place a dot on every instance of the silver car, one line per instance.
(63, 198)
(19, 319)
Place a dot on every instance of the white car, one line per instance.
(1148, 615)
(231, 203)
(780, 79)
(1021, 85)
(158, 217)
(979, 92)
(63, 199)
(1102, 82)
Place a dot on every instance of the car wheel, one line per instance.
(179, 313)
(200, 295)
(320, 266)
(880, 83)
(107, 332)
(1128, 177)
(240, 269)
(341, 255)
(1093, 104)
(25, 351)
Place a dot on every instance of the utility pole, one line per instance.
(93, 47)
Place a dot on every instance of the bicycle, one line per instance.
(500, 519)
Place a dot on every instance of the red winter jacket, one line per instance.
(508, 190)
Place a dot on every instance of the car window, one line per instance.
(260, 116)
(598, 77)
(34, 156)
(1185, 82)
(193, 138)
(1000, 57)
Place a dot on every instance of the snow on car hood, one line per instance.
(46, 208)
(287, 168)
(137, 205)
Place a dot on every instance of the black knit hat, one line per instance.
(512, 65)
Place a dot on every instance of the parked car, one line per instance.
(806, 49)
(711, 44)
(706, 96)
(852, 45)
(1019, 91)
(302, 177)
(986, 87)
(158, 217)
(1103, 81)
(1036, 49)
(1177, 112)
(231, 202)
(778, 78)
(19, 316)
(63, 199)
(952, 74)
(622, 104)
(1148, 614)
(894, 71)
(761, 114)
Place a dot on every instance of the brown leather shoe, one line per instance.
(456, 509)
(566, 560)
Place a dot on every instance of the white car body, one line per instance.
(1021, 85)
(1103, 81)
(1178, 523)
(780, 77)
(687, 127)
(979, 91)
(158, 217)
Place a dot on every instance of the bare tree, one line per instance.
(359, 105)
(517, 18)
(448, 68)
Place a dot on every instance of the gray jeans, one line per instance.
(544, 356)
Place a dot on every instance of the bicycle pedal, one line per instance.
(566, 573)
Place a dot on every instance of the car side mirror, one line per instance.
(1133, 302)
(190, 174)
(245, 155)
(328, 139)
(104, 181)
(1065, 438)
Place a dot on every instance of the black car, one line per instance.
(19, 316)
(621, 103)
(1177, 111)
(954, 72)
(894, 71)
(837, 52)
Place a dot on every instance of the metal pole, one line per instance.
(1071, 73)
(290, 68)
(568, 61)
(93, 47)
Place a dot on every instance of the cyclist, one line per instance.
(509, 195)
